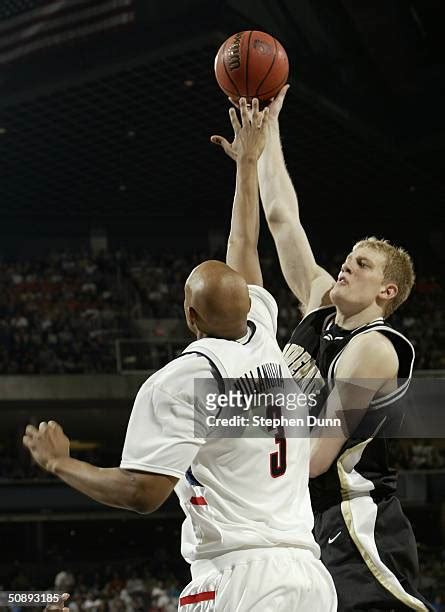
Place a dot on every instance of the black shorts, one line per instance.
(370, 552)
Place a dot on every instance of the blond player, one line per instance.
(345, 342)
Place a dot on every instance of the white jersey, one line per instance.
(228, 490)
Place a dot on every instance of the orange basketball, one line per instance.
(251, 64)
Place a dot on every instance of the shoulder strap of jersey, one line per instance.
(319, 312)
(203, 347)
(214, 369)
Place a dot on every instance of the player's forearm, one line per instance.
(278, 195)
(110, 486)
(245, 213)
(242, 248)
(323, 452)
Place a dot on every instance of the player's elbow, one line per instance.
(138, 492)
(242, 241)
(150, 491)
(144, 507)
(279, 215)
(145, 504)
(276, 218)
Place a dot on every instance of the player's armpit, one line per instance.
(320, 291)
(305, 278)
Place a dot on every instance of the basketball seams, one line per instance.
(246, 81)
(270, 67)
(279, 86)
(257, 75)
(226, 70)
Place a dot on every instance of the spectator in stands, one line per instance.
(62, 313)
(64, 581)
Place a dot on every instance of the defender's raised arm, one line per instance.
(246, 148)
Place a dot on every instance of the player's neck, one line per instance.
(348, 320)
(237, 333)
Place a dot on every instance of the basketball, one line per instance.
(251, 64)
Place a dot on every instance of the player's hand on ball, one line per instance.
(277, 103)
(274, 106)
(250, 134)
(46, 443)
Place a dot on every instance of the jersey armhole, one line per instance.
(316, 310)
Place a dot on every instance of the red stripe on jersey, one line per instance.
(190, 599)
(198, 501)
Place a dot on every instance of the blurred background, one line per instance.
(111, 192)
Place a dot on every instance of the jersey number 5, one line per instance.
(278, 459)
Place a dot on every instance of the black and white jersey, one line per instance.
(312, 354)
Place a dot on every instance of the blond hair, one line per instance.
(399, 269)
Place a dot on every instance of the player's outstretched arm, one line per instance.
(246, 148)
(307, 280)
(139, 491)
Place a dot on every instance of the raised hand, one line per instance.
(274, 106)
(249, 135)
(277, 103)
(46, 443)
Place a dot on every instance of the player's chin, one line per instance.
(338, 292)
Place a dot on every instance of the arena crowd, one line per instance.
(62, 313)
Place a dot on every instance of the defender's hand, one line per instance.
(46, 443)
(250, 135)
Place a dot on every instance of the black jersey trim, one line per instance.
(374, 327)
(215, 371)
(327, 322)
(316, 310)
(398, 393)
(252, 327)
(391, 330)
(390, 398)
(216, 374)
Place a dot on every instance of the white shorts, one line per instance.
(260, 580)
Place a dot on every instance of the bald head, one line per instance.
(216, 301)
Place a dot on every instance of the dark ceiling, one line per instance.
(118, 127)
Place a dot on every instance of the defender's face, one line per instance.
(360, 280)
